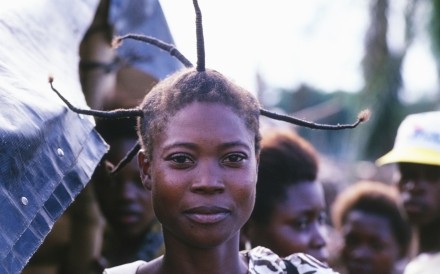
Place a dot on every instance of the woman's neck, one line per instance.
(185, 259)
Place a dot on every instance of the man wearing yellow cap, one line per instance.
(416, 152)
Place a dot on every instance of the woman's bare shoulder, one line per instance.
(137, 267)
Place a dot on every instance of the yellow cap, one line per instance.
(417, 141)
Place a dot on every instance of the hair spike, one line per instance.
(116, 42)
(127, 159)
(171, 49)
(200, 39)
(117, 113)
(304, 123)
(364, 115)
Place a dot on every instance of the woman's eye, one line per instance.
(235, 158)
(180, 160)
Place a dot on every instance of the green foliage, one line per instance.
(435, 27)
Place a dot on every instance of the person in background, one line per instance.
(416, 152)
(132, 232)
(290, 211)
(375, 234)
(107, 75)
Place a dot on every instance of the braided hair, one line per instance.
(189, 85)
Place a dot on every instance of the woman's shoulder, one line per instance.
(129, 268)
(263, 260)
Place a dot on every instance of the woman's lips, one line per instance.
(207, 214)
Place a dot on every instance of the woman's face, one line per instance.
(369, 244)
(202, 175)
(297, 223)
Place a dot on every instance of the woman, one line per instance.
(375, 232)
(200, 150)
(200, 144)
(290, 211)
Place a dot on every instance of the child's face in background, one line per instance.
(369, 244)
(124, 202)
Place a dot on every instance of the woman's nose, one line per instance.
(208, 179)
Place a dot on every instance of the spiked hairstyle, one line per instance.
(189, 85)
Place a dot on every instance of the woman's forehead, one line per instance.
(212, 121)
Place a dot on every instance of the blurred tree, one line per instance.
(381, 68)
(382, 78)
(435, 31)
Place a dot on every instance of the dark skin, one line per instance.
(123, 200)
(202, 175)
(419, 186)
(297, 223)
(370, 246)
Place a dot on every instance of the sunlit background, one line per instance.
(317, 42)
(324, 61)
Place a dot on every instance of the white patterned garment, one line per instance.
(264, 261)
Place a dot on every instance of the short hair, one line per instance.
(286, 159)
(375, 198)
(187, 86)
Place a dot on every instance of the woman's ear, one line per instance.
(144, 168)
